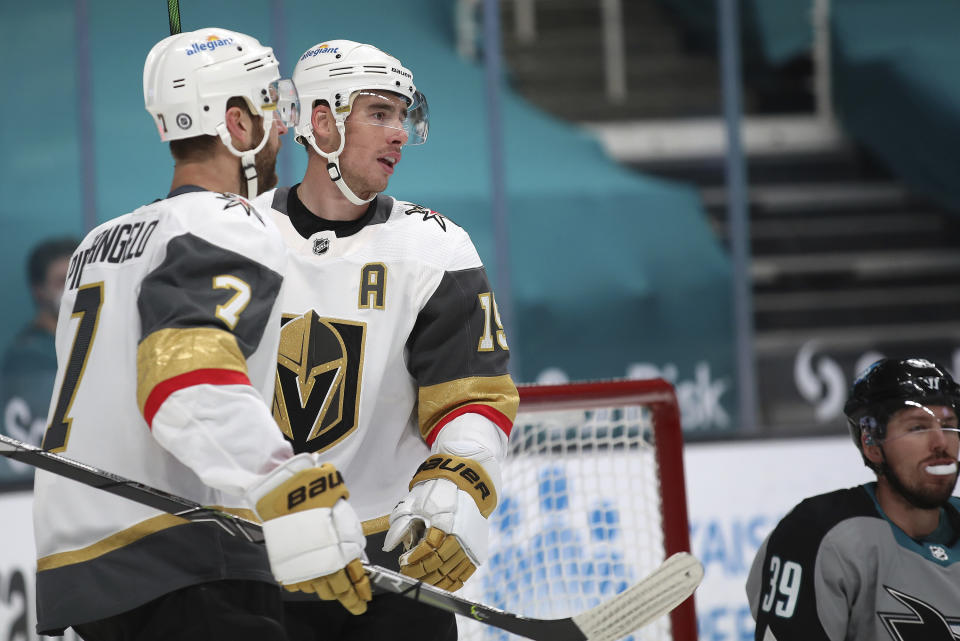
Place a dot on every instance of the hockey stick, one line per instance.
(173, 12)
(651, 598)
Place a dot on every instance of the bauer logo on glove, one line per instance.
(315, 488)
(468, 476)
(442, 521)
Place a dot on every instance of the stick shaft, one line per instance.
(173, 12)
(537, 629)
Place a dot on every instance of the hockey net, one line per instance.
(592, 500)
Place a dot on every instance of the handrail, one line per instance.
(822, 75)
(467, 18)
(615, 66)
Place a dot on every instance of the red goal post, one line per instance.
(593, 499)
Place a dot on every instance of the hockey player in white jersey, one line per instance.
(881, 560)
(166, 344)
(393, 358)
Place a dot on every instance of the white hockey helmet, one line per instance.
(336, 71)
(189, 77)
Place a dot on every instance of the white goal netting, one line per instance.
(579, 518)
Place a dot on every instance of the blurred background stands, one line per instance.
(854, 243)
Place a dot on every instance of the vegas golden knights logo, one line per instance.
(317, 387)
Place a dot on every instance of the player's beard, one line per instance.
(924, 499)
(265, 163)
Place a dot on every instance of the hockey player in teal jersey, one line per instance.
(882, 560)
(166, 348)
(393, 358)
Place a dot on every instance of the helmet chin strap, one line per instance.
(333, 166)
(248, 158)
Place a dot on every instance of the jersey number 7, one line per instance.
(87, 307)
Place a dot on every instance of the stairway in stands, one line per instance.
(562, 70)
(847, 264)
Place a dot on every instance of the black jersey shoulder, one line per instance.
(824, 511)
(809, 522)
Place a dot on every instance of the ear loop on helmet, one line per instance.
(248, 160)
(868, 425)
(333, 158)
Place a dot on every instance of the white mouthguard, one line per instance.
(941, 470)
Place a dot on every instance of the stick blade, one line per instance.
(669, 586)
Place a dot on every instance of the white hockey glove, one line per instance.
(442, 522)
(314, 539)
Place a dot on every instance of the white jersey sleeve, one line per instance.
(204, 311)
(458, 350)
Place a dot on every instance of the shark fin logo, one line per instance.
(923, 623)
(317, 386)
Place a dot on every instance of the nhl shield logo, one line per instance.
(939, 553)
(321, 245)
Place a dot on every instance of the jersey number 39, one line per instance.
(784, 588)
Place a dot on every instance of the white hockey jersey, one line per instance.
(390, 331)
(166, 347)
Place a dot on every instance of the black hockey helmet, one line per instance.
(887, 385)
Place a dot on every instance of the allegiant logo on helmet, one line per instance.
(316, 52)
(210, 44)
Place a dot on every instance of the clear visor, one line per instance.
(283, 100)
(916, 421)
(387, 109)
